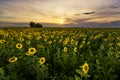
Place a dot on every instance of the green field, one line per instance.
(59, 53)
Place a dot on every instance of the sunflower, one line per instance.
(85, 68)
(2, 41)
(21, 39)
(65, 42)
(118, 44)
(83, 42)
(88, 43)
(32, 51)
(110, 44)
(19, 46)
(65, 49)
(60, 40)
(50, 42)
(28, 42)
(13, 59)
(76, 43)
(27, 53)
(75, 49)
(72, 41)
(81, 45)
(42, 60)
(10, 42)
(45, 39)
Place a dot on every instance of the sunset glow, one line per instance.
(61, 21)
(50, 11)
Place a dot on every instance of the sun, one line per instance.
(61, 21)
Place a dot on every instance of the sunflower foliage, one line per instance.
(59, 54)
(81, 73)
(2, 74)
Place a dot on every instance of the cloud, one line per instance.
(11, 24)
(107, 13)
(77, 14)
(79, 21)
(20, 8)
(10, 17)
(89, 22)
(85, 13)
(113, 7)
(114, 23)
(95, 24)
(1, 12)
(51, 11)
(22, 11)
(88, 13)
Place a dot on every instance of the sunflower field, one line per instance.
(59, 54)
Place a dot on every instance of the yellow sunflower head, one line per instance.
(65, 49)
(85, 68)
(50, 42)
(81, 45)
(19, 46)
(2, 41)
(21, 39)
(118, 44)
(32, 51)
(72, 41)
(13, 59)
(65, 42)
(27, 53)
(28, 42)
(75, 49)
(42, 60)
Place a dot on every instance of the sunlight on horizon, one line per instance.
(62, 21)
(60, 12)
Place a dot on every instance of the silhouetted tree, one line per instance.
(38, 25)
(35, 25)
(32, 24)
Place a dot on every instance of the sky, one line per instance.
(60, 12)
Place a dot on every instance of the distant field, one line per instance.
(59, 53)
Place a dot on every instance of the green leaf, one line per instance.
(2, 72)
(71, 78)
(86, 75)
(79, 71)
(77, 77)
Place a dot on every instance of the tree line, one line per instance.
(35, 25)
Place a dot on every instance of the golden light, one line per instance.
(62, 21)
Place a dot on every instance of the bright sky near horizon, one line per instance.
(60, 11)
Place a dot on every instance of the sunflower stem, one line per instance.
(81, 77)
